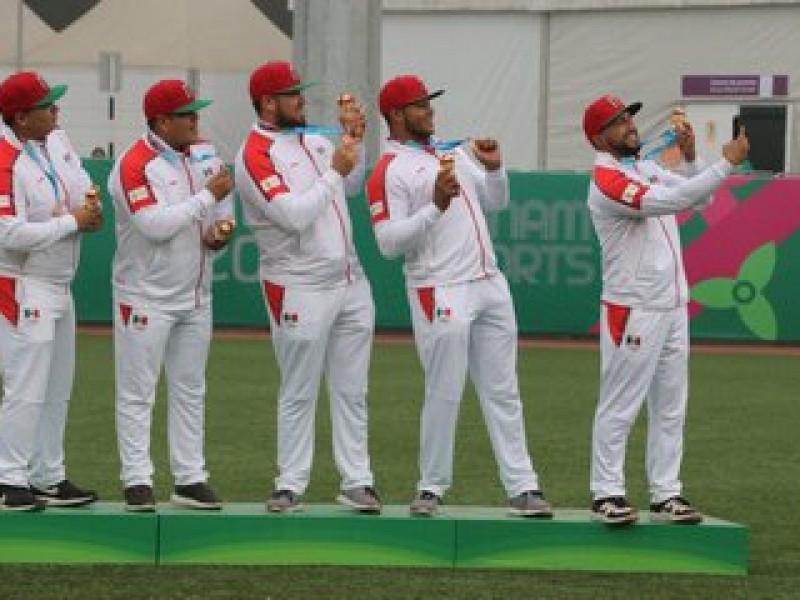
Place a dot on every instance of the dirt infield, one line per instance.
(405, 337)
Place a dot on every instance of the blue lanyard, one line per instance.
(331, 130)
(48, 169)
(663, 140)
(440, 145)
(316, 129)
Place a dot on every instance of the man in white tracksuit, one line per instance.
(644, 334)
(46, 202)
(294, 187)
(173, 210)
(461, 308)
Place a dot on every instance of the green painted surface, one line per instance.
(484, 537)
(323, 534)
(572, 542)
(101, 533)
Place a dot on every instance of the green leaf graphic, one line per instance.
(759, 266)
(759, 318)
(714, 293)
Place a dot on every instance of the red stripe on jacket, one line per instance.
(260, 167)
(376, 190)
(8, 156)
(619, 187)
(135, 186)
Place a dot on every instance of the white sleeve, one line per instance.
(159, 221)
(632, 198)
(17, 233)
(397, 230)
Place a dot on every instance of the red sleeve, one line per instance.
(376, 190)
(135, 186)
(260, 167)
(619, 187)
(8, 156)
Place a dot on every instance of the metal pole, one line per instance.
(19, 61)
(338, 44)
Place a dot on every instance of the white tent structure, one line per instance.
(521, 70)
(214, 43)
(524, 70)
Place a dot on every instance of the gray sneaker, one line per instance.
(530, 504)
(426, 504)
(361, 499)
(282, 501)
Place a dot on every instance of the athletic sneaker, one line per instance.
(530, 504)
(139, 498)
(426, 504)
(64, 493)
(675, 510)
(614, 511)
(284, 501)
(18, 498)
(196, 495)
(363, 499)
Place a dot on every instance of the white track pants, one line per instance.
(644, 356)
(313, 332)
(460, 329)
(38, 368)
(144, 339)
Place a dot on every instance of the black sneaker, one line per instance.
(139, 498)
(65, 493)
(13, 497)
(196, 495)
(614, 511)
(675, 510)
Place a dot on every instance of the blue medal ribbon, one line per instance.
(658, 143)
(48, 169)
(439, 145)
(316, 129)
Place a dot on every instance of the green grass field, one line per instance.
(741, 464)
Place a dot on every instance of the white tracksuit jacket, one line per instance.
(162, 211)
(440, 248)
(38, 237)
(632, 206)
(296, 205)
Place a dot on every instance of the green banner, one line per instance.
(739, 256)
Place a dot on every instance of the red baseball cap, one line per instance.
(25, 90)
(276, 77)
(602, 111)
(171, 97)
(402, 91)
